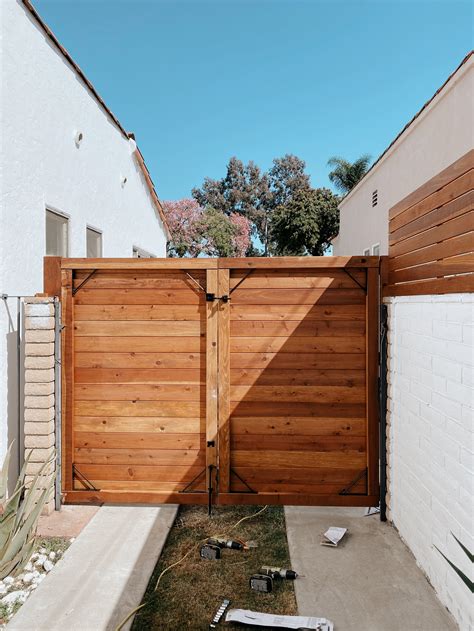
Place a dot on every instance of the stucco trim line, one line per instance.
(151, 187)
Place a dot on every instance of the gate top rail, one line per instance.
(323, 262)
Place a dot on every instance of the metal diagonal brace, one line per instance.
(88, 486)
(358, 478)
(242, 280)
(250, 489)
(188, 489)
(86, 279)
(355, 280)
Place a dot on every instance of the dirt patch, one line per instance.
(189, 595)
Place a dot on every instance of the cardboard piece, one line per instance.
(245, 616)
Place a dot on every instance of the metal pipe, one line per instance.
(18, 376)
(383, 410)
(57, 402)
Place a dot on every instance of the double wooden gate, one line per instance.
(223, 380)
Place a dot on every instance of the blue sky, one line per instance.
(200, 81)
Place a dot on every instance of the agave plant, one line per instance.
(465, 579)
(19, 515)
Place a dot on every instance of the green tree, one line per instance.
(345, 174)
(306, 224)
(247, 191)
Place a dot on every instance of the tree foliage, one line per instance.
(306, 223)
(245, 190)
(206, 231)
(345, 174)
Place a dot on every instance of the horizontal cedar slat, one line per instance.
(138, 392)
(452, 228)
(294, 361)
(298, 426)
(281, 474)
(457, 245)
(297, 312)
(138, 440)
(87, 296)
(299, 394)
(298, 296)
(138, 264)
(298, 328)
(145, 457)
(140, 279)
(450, 284)
(284, 408)
(292, 344)
(304, 377)
(140, 360)
(263, 442)
(431, 270)
(159, 345)
(435, 217)
(304, 262)
(139, 312)
(453, 171)
(146, 424)
(143, 485)
(298, 459)
(450, 191)
(140, 472)
(139, 408)
(307, 279)
(139, 375)
(138, 328)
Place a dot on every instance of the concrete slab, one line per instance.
(68, 522)
(103, 575)
(370, 581)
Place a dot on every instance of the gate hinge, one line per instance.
(212, 297)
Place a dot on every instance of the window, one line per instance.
(366, 252)
(376, 249)
(375, 198)
(56, 234)
(94, 243)
(138, 253)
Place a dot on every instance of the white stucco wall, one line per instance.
(430, 437)
(43, 105)
(440, 135)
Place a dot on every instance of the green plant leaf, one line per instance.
(4, 475)
(465, 579)
(468, 554)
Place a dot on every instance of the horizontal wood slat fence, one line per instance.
(174, 393)
(431, 241)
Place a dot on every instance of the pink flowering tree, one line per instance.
(197, 231)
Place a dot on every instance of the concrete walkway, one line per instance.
(370, 582)
(103, 575)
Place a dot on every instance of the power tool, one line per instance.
(261, 583)
(278, 572)
(212, 548)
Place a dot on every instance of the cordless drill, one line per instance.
(278, 572)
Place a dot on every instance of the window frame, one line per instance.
(65, 224)
(98, 233)
(140, 253)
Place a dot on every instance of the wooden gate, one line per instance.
(224, 380)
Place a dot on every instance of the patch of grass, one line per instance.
(189, 594)
(52, 544)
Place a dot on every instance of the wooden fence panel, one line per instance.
(431, 242)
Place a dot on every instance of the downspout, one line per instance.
(383, 410)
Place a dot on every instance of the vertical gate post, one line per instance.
(212, 307)
(224, 382)
(372, 369)
(67, 379)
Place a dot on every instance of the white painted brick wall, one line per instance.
(430, 437)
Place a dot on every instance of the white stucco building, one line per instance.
(437, 136)
(72, 181)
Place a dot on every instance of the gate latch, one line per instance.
(212, 297)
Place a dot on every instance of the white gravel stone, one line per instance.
(3, 589)
(29, 566)
(9, 580)
(72, 540)
(34, 557)
(29, 576)
(48, 565)
(13, 597)
(40, 560)
(42, 551)
(52, 556)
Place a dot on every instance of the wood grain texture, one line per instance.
(431, 239)
(224, 382)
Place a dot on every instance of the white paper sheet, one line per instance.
(258, 619)
(333, 536)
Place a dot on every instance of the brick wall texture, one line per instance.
(39, 387)
(430, 437)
